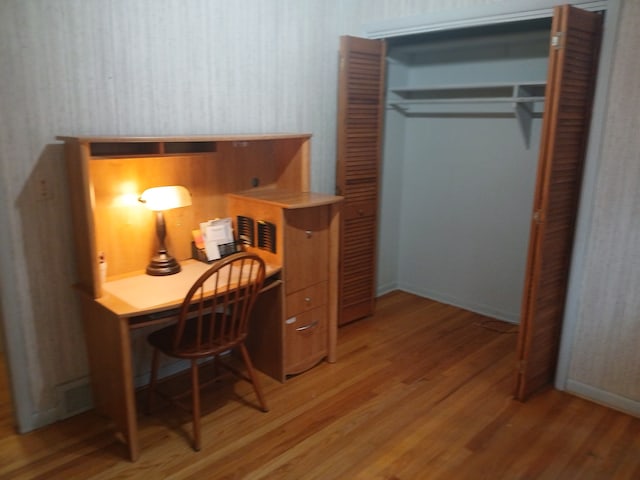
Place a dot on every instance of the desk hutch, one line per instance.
(262, 178)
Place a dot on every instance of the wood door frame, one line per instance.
(482, 15)
(522, 10)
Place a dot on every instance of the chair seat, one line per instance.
(189, 348)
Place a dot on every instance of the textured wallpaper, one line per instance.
(605, 353)
(154, 67)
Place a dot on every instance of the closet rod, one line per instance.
(469, 100)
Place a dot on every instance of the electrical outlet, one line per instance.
(44, 190)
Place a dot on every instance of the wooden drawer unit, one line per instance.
(306, 270)
(306, 227)
(305, 340)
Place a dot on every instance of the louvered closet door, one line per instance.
(572, 69)
(360, 116)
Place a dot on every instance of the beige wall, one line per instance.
(133, 67)
(153, 67)
(605, 353)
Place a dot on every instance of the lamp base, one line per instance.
(163, 264)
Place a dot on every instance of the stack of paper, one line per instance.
(215, 233)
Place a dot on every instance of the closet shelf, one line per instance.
(463, 91)
(524, 100)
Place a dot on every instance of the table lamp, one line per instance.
(159, 199)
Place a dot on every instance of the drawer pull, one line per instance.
(313, 324)
(308, 233)
(307, 299)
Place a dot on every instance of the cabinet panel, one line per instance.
(305, 340)
(265, 340)
(307, 247)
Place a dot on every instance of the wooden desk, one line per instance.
(260, 180)
(131, 302)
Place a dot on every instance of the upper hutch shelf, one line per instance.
(114, 147)
(108, 174)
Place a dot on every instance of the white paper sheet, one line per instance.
(215, 233)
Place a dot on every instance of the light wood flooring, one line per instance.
(420, 391)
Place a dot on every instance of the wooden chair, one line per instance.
(213, 320)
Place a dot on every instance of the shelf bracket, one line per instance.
(398, 108)
(524, 114)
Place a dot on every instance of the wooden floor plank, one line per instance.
(421, 390)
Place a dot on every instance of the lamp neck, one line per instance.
(161, 231)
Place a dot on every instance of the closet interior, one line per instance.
(460, 152)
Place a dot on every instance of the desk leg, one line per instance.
(109, 352)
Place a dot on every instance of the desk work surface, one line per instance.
(142, 293)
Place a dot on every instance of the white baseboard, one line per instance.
(482, 309)
(608, 399)
(384, 289)
(39, 420)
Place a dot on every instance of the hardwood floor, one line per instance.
(420, 391)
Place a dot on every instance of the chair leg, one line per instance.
(216, 367)
(195, 394)
(155, 360)
(253, 377)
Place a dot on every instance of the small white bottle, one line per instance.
(102, 267)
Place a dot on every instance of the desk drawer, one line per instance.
(305, 340)
(307, 299)
(158, 318)
(306, 246)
